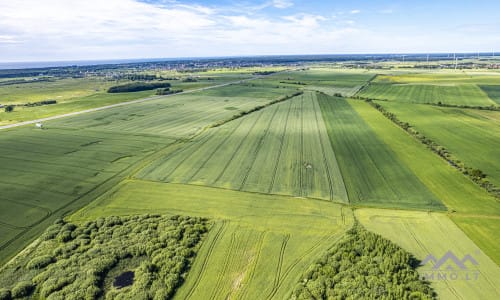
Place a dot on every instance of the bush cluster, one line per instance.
(72, 261)
(363, 265)
(137, 87)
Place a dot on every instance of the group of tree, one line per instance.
(75, 261)
(167, 91)
(137, 87)
(364, 265)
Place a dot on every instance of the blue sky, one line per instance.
(45, 30)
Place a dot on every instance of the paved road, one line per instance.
(120, 104)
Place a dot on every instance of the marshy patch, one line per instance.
(124, 279)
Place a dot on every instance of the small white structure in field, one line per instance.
(39, 125)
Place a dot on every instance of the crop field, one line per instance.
(274, 150)
(372, 172)
(325, 80)
(454, 129)
(493, 92)
(259, 245)
(45, 171)
(446, 183)
(82, 93)
(178, 116)
(463, 94)
(424, 233)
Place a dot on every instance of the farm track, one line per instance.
(220, 276)
(211, 247)
(279, 266)
(260, 244)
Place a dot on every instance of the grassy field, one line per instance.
(372, 172)
(473, 136)
(259, 246)
(282, 149)
(433, 233)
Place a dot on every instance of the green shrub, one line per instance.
(22, 289)
(5, 294)
(40, 262)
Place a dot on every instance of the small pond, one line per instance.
(124, 279)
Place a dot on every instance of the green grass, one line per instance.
(472, 136)
(460, 94)
(483, 231)
(372, 172)
(446, 183)
(259, 247)
(424, 233)
(282, 149)
(493, 92)
(441, 77)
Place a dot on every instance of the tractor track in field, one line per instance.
(211, 247)
(220, 276)
(280, 150)
(302, 159)
(237, 148)
(244, 290)
(279, 267)
(216, 149)
(258, 148)
(325, 160)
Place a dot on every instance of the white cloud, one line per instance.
(386, 11)
(281, 3)
(355, 11)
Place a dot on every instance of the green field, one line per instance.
(463, 94)
(493, 92)
(83, 93)
(433, 233)
(372, 172)
(276, 176)
(274, 150)
(473, 136)
(259, 247)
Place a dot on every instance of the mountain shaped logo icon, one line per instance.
(449, 258)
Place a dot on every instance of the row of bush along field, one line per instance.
(424, 234)
(282, 149)
(259, 247)
(75, 94)
(448, 89)
(50, 172)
